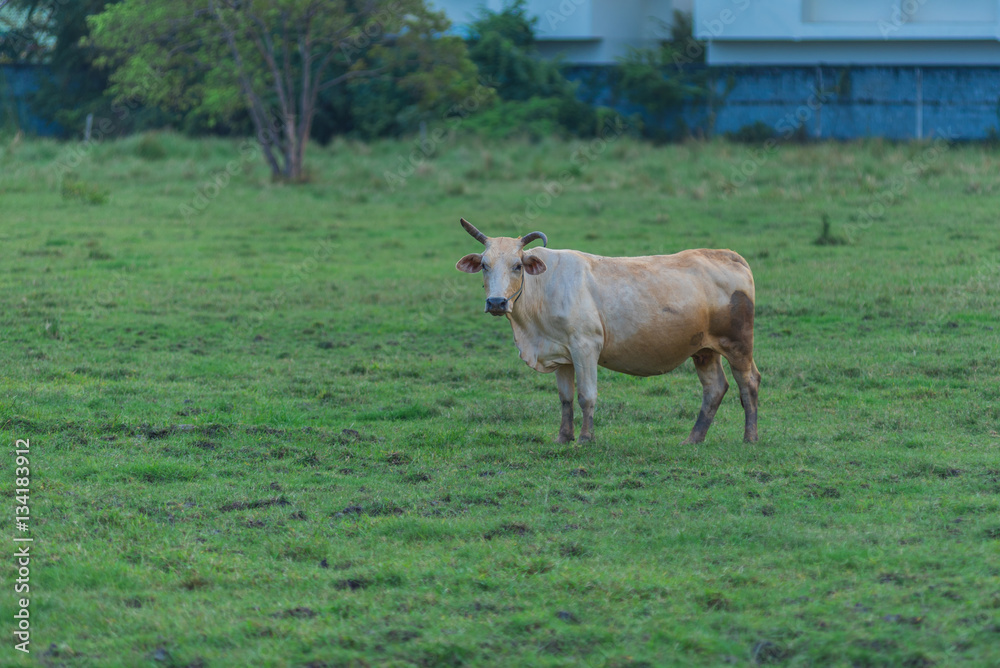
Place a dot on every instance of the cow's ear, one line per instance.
(533, 265)
(471, 263)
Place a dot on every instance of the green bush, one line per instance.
(753, 133)
(74, 188)
(541, 117)
(150, 148)
(534, 119)
(538, 98)
(662, 80)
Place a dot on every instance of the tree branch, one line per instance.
(265, 47)
(257, 111)
(353, 74)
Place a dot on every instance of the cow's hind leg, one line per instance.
(708, 364)
(565, 382)
(748, 379)
(737, 346)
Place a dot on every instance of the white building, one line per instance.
(861, 32)
(584, 32)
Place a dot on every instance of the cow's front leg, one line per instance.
(585, 366)
(565, 382)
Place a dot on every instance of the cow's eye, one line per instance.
(517, 267)
(485, 268)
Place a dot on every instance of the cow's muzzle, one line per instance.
(496, 305)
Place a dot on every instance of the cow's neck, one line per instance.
(524, 321)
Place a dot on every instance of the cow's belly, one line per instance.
(651, 353)
(643, 363)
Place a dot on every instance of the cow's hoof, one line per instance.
(563, 439)
(584, 439)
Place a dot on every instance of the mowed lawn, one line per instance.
(271, 425)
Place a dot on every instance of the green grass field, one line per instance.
(270, 425)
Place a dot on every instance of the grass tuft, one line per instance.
(826, 236)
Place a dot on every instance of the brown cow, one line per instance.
(572, 312)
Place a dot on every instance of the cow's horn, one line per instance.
(531, 236)
(471, 229)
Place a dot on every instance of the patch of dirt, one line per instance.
(152, 432)
(572, 549)
(295, 613)
(255, 524)
(264, 429)
(160, 654)
(511, 529)
(482, 607)
(350, 510)
(401, 635)
(195, 582)
(347, 436)
(309, 459)
(247, 505)
(918, 661)
(352, 584)
(765, 652)
(396, 458)
(903, 619)
(717, 602)
(814, 491)
(377, 508)
(298, 515)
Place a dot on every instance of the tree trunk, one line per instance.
(297, 158)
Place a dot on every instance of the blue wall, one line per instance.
(847, 102)
(833, 102)
(17, 82)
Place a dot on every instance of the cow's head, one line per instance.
(504, 265)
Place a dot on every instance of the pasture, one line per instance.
(277, 429)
